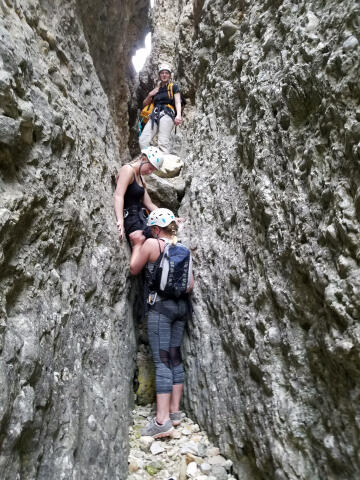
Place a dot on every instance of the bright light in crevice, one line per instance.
(141, 55)
(152, 3)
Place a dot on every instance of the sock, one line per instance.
(158, 424)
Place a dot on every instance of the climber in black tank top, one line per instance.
(166, 319)
(131, 196)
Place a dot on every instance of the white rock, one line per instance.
(136, 460)
(173, 453)
(350, 43)
(191, 470)
(187, 430)
(313, 22)
(145, 443)
(228, 464)
(92, 423)
(205, 468)
(217, 460)
(156, 448)
(274, 336)
(219, 472)
(189, 447)
(344, 345)
(171, 166)
(213, 451)
(133, 466)
(195, 428)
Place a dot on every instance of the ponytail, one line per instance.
(172, 229)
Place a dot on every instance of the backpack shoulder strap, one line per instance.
(170, 90)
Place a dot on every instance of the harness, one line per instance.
(134, 209)
(164, 109)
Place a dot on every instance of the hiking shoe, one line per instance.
(154, 430)
(176, 418)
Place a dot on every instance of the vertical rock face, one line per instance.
(272, 150)
(66, 341)
(113, 29)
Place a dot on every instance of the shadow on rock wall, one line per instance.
(67, 346)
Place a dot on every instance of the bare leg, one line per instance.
(176, 397)
(162, 407)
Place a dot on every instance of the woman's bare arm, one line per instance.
(150, 95)
(140, 255)
(191, 286)
(125, 177)
(178, 119)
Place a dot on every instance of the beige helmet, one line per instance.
(154, 155)
(165, 66)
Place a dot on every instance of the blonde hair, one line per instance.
(172, 228)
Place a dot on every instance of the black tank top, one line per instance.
(134, 194)
(162, 97)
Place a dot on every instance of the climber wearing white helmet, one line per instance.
(166, 113)
(131, 196)
(167, 294)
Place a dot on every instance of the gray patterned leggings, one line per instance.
(166, 322)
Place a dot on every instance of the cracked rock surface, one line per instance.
(270, 143)
(67, 344)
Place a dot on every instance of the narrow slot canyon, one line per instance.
(268, 182)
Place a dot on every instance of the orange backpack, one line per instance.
(146, 112)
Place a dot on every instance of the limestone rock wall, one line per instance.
(272, 152)
(67, 344)
(115, 29)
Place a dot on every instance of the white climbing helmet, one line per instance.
(164, 66)
(154, 155)
(161, 217)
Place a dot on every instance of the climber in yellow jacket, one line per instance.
(166, 113)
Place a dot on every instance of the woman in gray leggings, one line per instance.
(166, 322)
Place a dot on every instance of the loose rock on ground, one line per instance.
(187, 454)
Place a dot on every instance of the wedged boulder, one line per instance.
(166, 192)
(171, 167)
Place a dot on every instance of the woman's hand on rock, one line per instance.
(178, 120)
(120, 227)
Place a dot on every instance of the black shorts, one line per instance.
(134, 220)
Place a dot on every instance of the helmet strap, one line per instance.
(155, 235)
(141, 164)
